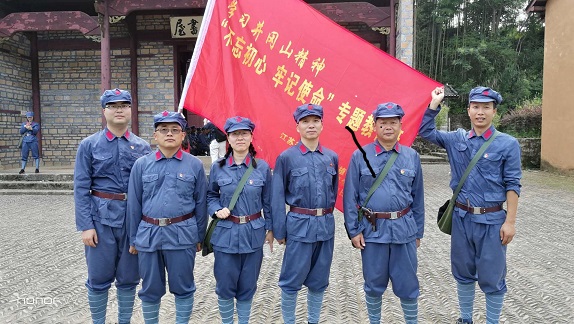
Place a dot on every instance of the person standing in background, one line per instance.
(29, 129)
(216, 143)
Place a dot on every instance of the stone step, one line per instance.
(439, 153)
(431, 159)
(37, 185)
(55, 177)
(35, 192)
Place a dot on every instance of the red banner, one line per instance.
(261, 59)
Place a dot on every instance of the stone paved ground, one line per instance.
(42, 269)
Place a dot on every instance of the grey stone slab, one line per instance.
(42, 267)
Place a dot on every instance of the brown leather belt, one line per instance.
(312, 212)
(107, 195)
(392, 215)
(244, 219)
(478, 210)
(166, 221)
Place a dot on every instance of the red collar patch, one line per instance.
(109, 135)
(487, 134)
(179, 154)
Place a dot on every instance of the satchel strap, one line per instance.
(240, 187)
(381, 177)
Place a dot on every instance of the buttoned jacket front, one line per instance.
(163, 187)
(103, 163)
(305, 179)
(401, 188)
(495, 173)
(29, 134)
(228, 236)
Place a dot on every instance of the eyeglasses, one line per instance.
(165, 131)
(116, 107)
(238, 134)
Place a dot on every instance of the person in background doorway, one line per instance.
(29, 129)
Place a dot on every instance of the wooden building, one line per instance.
(57, 56)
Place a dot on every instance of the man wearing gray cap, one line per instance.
(481, 228)
(103, 164)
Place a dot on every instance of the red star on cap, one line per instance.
(485, 92)
(310, 107)
(118, 91)
(238, 119)
(165, 113)
(390, 106)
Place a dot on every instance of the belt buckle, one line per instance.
(125, 196)
(476, 210)
(319, 212)
(394, 215)
(163, 221)
(242, 219)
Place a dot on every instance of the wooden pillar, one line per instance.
(393, 33)
(384, 43)
(106, 70)
(132, 28)
(176, 79)
(35, 73)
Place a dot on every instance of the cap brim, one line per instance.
(169, 121)
(483, 100)
(387, 116)
(311, 114)
(233, 129)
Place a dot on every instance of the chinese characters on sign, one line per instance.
(307, 91)
(261, 59)
(185, 27)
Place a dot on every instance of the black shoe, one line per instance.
(37, 171)
(21, 171)
(461, 321)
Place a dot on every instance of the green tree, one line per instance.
(481, 42)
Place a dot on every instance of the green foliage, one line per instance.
(524, 121)
(481, 42)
